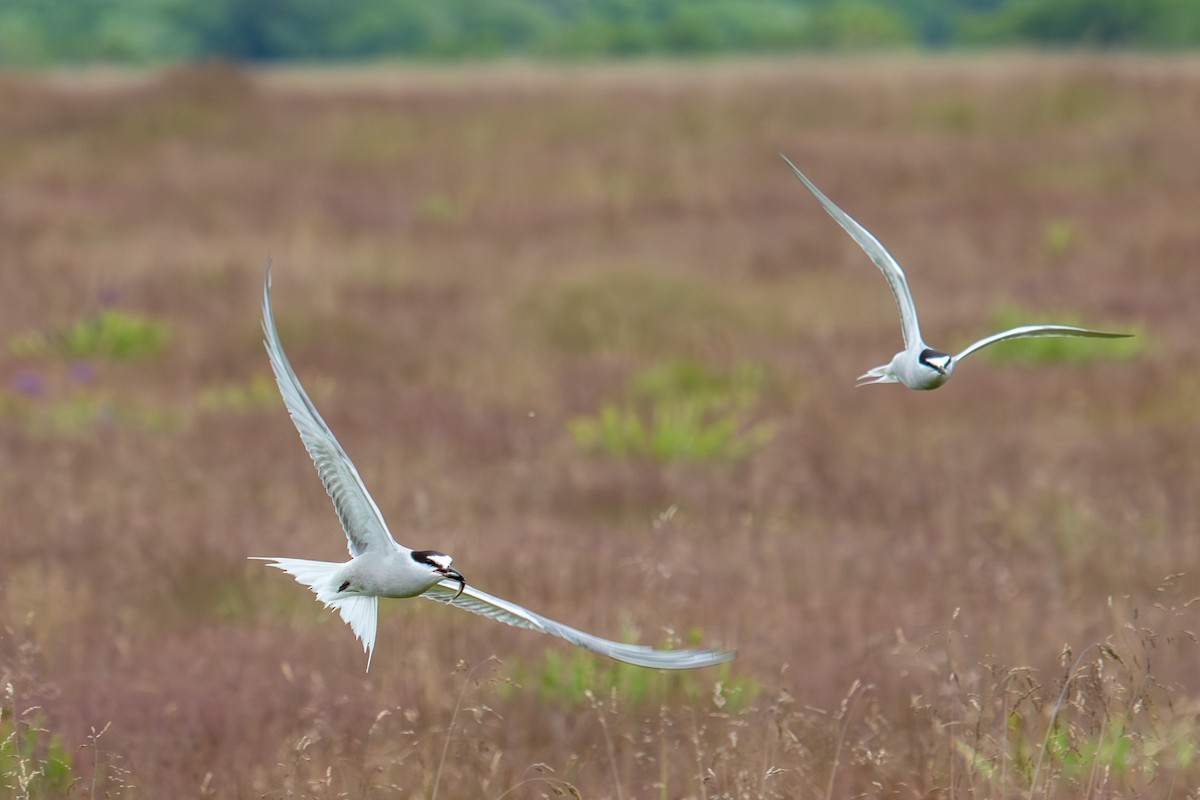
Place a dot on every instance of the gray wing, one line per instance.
(871, 246)
(1033, 331)
(482, 603)
(361, 519)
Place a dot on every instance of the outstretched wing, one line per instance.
(1033, 331)
(882, 258)
(364, 525)
(482, 603)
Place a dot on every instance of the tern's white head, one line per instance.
(937, 367)
(439, 567)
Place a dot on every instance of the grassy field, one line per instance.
(582, 329)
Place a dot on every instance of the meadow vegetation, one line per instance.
(983, 591)
(156, 31)
(678, 411)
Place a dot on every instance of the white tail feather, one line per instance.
(361, 612)
(880, 374)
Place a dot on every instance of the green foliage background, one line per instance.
(39, 32)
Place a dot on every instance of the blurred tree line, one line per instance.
(140, 31)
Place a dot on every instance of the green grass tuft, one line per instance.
(680, 411)
(83, 411)
(32, 760)
(258, 392)
(1059, 237)
(109, 334)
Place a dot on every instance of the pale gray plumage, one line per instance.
(380, 567)
(919, 366)
(488, 605)
(361, 519)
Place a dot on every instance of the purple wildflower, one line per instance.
(82, 370)
(29, 382)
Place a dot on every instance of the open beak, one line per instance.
(454, 575)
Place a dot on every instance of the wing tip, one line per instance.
(1084, 332)
(685, 658)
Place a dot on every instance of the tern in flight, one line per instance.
(380, 567)
(919, 366)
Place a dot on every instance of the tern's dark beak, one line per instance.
(454, 575)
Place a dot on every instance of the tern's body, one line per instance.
(381, 567)
(388, 574)
(917, 369)
(919, 366)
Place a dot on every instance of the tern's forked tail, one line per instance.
(880, 374)
(360, 611)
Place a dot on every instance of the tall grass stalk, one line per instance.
(558, 786)
(93, 740)
(437, 776)
(1103, 649)
(598, 707)
(843, 723)
(698, 750)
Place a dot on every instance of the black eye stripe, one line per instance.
(429, 557)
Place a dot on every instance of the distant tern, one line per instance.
(919, 366)
(380, 567)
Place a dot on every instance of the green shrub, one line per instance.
(109, 334)
(680, 411)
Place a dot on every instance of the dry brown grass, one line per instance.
(911, 579)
